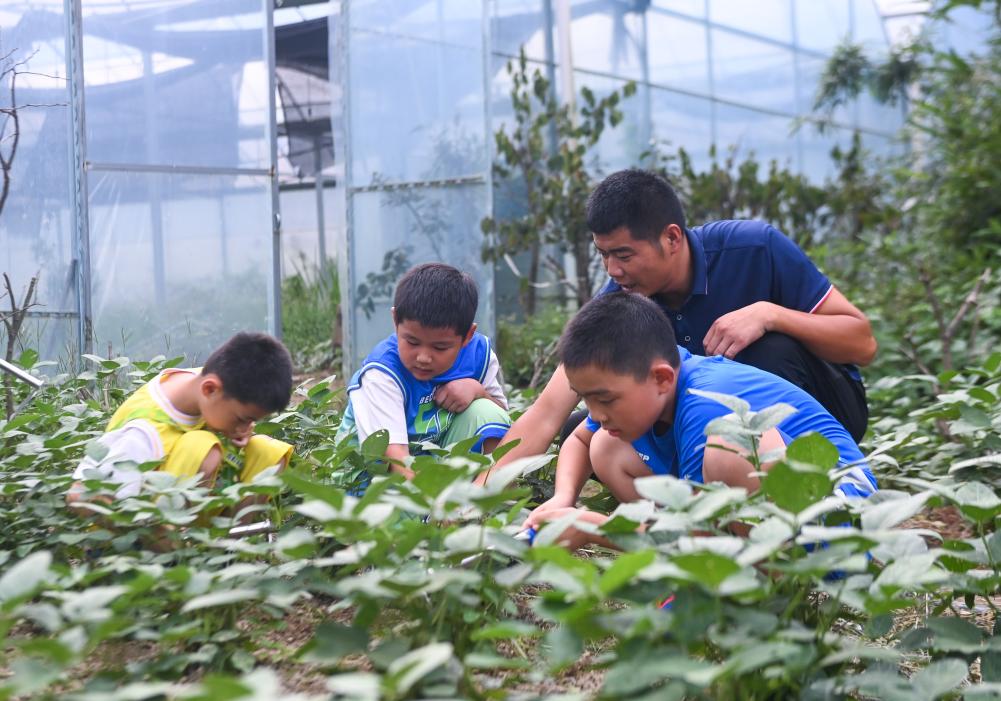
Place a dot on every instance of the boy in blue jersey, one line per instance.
(436, 379)
(621, 357)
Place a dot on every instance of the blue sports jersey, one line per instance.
(680, 450)
(425, 419)
(734, 264)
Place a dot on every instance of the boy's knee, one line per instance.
(210, 465)
(486, 408)
(192, 454)
(610, 456)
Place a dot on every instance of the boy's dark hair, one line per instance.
(437, 296)
(621, 332)
(639, 200)
(254, 368)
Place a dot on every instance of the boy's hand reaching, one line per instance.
(457, 395)
(572, 538)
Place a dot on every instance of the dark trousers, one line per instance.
(831, 385)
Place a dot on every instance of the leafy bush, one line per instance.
(423, 582)
(527, 349)
(311, 303)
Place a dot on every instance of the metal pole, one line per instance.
(489, 319)
(276, 218)
(78, 174)
(340, 73)
(321, 224)
(547, 14)
(563, 19)
(153, 187)
(20, 374)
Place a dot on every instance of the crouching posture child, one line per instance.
(199, 421)
(620, 356)
(436, 379)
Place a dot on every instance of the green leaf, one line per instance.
(707, 567)
(955, 634)
(623, 569)
(978, 501)
(374, 447)
(409, 669)
(486, 660)
(813, 449)
(332, 642)
(770, 418)
(220, 598)
(358, 686)
(564, 647)
(796, 488)
(939, 678)
(890, 513)
(322, 492)
(25, 576)
(735, 404)
(506, 630)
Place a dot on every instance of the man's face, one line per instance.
(637, 265)
(224, 414)
(428, 352)
(624, 406)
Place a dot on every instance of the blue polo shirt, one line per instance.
(680, 449)
(737, 263)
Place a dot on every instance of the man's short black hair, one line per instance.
(621, 332)
(639, 200)
(437, 296)
(254, 368)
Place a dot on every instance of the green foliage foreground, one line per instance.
(91, 612)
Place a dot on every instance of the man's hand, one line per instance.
(733, 332)
(457, 395)
(572, 538)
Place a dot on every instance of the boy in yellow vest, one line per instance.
(199, 421)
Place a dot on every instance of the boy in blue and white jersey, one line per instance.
(620, 355)
(436, 379)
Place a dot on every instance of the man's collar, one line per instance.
(700, 279)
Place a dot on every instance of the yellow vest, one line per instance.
(142, 405)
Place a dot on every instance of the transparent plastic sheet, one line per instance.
(179, 262)
(414, 125)
(178, 82)
(36, 235)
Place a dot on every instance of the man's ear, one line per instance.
(469, 334)
(664, 375)
(671, 237)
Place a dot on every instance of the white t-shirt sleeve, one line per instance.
(493, 380)
(378, 404)
(135, 442)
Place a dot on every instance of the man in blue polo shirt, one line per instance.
(619, 354)
(740, 289)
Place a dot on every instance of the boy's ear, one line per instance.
(469, 334)
(392, 315)
(664, 375)
(210, 384)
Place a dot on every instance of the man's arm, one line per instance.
(835, 331)
(543, 420)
